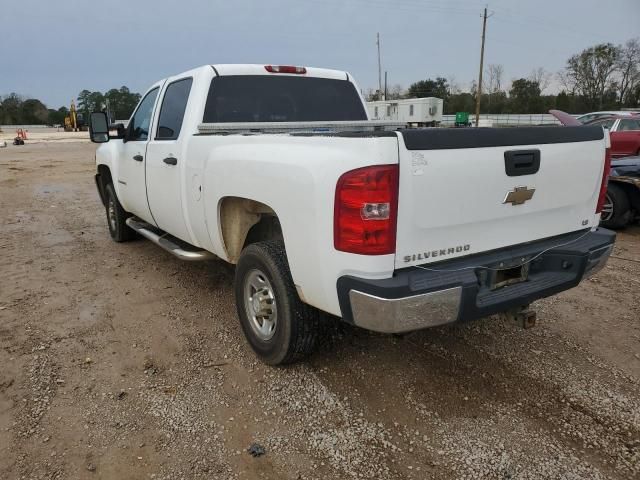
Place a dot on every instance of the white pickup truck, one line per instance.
(278, 169)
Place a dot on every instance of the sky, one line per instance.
(51, 50)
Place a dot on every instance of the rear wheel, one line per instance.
(616, 212)
(279, 327)
(116, 217)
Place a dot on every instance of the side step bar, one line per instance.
(173, 245)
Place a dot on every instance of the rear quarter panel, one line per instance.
(295, 176)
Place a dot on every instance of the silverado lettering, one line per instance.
(436, 253)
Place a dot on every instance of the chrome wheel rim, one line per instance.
(260, 304)
(111, 214)
(607, 208)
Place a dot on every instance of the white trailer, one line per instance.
(415, 112)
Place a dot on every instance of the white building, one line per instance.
(416, 112)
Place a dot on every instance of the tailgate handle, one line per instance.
(521, 162)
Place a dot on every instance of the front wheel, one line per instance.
(116, 217)
(616, 212)
(279, 327)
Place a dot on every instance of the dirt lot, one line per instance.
(119, 361)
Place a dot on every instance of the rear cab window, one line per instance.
(266, 98)
(174, 104)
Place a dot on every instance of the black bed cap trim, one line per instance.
(448, 138)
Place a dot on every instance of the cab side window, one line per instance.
(587, 118)
(173, 107)
(139, 123)
(629, 124)
(605, 123)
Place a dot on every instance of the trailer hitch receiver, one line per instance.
(524, 317)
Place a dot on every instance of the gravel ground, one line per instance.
(119, 361)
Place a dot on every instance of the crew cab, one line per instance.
(278, 170)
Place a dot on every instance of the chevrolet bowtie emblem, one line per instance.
(519, 195)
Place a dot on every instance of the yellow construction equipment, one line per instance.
(71, 120)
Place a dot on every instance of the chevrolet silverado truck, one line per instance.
(278, 170)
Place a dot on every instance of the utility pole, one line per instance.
(479, 91)
(386, 94)
(379, 65)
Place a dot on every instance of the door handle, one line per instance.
(138, 158)
(170, 161)
(521, 162)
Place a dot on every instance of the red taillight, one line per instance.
(285, 69)
(605, 179)
(365, 210)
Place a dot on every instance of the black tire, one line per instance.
(297, 327)
(116, 217)
(617, 210)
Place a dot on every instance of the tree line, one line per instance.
(17, 110)
(602, 77)
(119, 103)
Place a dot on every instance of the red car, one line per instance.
(624, 132)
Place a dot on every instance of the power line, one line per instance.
(399, 5)
(540, 23)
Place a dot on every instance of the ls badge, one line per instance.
(519, 195)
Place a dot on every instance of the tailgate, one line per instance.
(465, 191)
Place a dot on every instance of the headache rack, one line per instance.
(298, 127)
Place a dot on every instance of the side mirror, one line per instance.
(99, 127)
(121, 130)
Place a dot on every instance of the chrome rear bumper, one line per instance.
(465, 289)
(397, 315)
